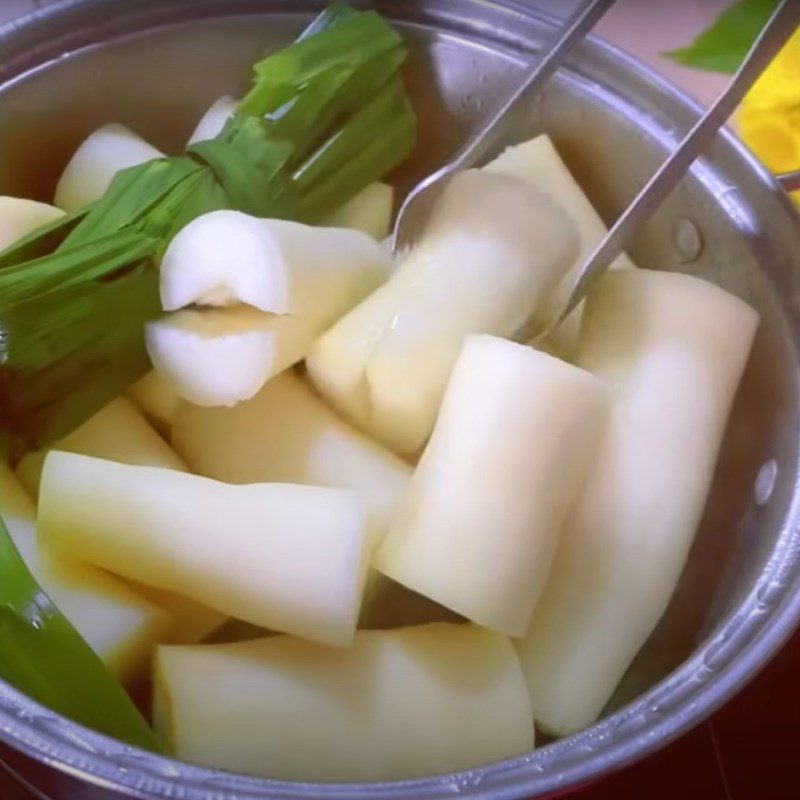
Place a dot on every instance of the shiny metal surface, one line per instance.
(780, 26)
(496, 132)
(614, 122)
(790, 181)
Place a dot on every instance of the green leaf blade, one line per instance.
(723, 46)
(42, 655)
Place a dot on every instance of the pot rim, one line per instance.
(741, 645)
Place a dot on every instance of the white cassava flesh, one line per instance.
(120, 626)
(286, 434)
(220, 357)
(106, 152)
(225, 258)
(118, 432)
(20, 217)
(492, 251)
(286, 557)
(270, 288)
(398, 704)
(539, 163)
(673, 349)
(213, 121)
(370, 211)
(157, 399)
(516, 435)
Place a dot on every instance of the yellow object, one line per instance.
(769, 117)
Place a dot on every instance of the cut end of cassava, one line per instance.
(213, 121)
(106, 152)
(222, 259)
(227, 258)
(220, 357)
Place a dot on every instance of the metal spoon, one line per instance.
(416, 209)
(776, 32)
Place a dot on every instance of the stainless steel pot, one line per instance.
(156, 65)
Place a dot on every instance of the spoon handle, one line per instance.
(776, 32)
(486, 140)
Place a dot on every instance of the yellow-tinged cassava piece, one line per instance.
(369, 211)
(157, 400)
(285, 557)
(672, 349)
(398, 704)
(102, 155)
(118, 432)
(118, 624)
(286, 434)
(19, 217)
(517, 433)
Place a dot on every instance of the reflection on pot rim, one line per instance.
(755, 616)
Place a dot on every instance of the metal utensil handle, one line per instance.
(573, 32)
(776, 32)
(789, 180)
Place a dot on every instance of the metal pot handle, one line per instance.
(789, 180)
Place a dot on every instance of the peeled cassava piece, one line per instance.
(398, 704)
(369, 211)
(213, 121)
(539, 163)
(118, 432)
(20, 217)
(157, 399)
(491, 253)
(286, 434)
(220, 357)
(290, 558)
(516, 435)
(273, 286)
(191, 622)
(119, 625)
(225, 258)
(106, 152)
(673, 349)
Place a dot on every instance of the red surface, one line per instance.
(748, 751)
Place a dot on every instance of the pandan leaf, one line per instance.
(327, 116)
(723, 46)
(42, 655)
